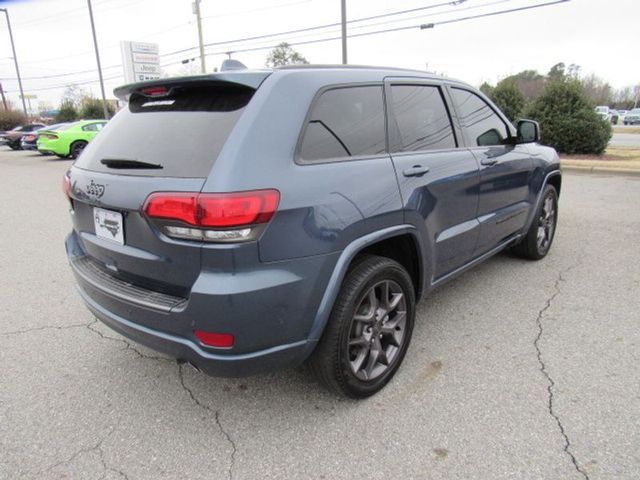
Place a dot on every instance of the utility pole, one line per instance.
(95, 44)
(15, 59)
(344, 31)
(4, 100)
(196, 11)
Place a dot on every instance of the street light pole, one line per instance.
(344, 30)
(95, 45)
(15, 59)
(196, 10)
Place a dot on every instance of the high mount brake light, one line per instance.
(155, 91)
(217, 217)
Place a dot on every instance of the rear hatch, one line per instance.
(166, 139)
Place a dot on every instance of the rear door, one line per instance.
(152, 145)
(505, 168)
(438, 180)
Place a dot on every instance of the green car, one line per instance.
(70, 140)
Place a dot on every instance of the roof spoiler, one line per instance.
(251, 79)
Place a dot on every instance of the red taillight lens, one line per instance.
(173, 206)
(220, 340)
(214, 210)
(66, 186)
(29, 138)
(238, 209)
(50, 136)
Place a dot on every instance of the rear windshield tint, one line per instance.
(183, 132)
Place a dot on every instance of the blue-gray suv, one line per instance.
(251, 220)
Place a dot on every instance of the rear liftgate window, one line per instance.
(179, 134)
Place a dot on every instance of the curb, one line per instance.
(600, 170)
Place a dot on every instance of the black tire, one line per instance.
(532, 246)
(76, 148)
(347, 336)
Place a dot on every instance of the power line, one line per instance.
(276, 34)
(355, 35)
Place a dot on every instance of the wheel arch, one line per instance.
(405, 237)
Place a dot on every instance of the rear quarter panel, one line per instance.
(323, 207)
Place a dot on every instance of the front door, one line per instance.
(505, 169)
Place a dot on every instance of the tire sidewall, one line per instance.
(355, 386)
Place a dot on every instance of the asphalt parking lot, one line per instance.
(517, 370)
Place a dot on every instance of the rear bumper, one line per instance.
(183, 349)
(270, 312)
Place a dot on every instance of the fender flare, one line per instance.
(340, 271)
(533, 211)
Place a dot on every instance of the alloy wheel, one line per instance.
(546, 224)
(377, 330)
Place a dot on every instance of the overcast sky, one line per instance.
(53, 37)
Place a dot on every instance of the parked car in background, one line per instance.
(249, 220)
(622, 114)
(604, 112)
(13, 137)
(69, 140)
(615, 116)
(632, 117)
(29, 140)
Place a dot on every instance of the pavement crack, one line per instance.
(94, 448)
(216, 415)
(126, 343)
(45, 327)
(550, 382)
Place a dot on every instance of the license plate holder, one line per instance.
(108, 225)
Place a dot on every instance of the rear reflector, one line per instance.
(220, 340)
(214, 210)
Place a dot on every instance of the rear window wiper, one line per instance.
(126, 163)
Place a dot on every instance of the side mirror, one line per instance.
(528, 131)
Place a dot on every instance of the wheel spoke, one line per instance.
(359, 342)
(371, 362)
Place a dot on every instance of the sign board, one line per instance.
(141, 61)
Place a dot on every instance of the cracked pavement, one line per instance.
(516, 369)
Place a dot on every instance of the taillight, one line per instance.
(220, 340)
(66, 188)
(218, 217)
(50, 136)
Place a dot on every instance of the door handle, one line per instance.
(488, 162)
(415, 171)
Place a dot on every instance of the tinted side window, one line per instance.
(345, 122)
(478, 119)
(422, 118)
(90, 128)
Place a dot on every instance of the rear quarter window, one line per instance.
(343, 123)
(183, 131)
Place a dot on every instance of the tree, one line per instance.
(508, 97)
(487, 89)
(283, 54)
(568, 121)
(10, 118)
(557, 72)
(74, 95)
(597, 90)
(92, 108)
(529, 82)
(67, 112)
